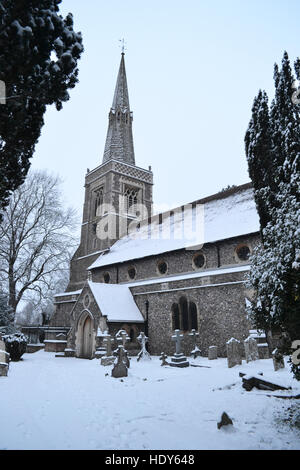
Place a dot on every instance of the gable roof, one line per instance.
(116, 302)
(225, 215)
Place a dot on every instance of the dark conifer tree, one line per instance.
(38, 65)
(274, 168)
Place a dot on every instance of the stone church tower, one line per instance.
(114, 191)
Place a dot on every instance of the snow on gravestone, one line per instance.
(251, 349)
(143, 354)
(233, 352)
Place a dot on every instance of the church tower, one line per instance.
(115, 192)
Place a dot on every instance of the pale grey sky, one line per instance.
(193, 69)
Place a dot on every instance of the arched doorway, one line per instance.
(87, 339)
(85, 336)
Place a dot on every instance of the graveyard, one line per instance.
(116, 402)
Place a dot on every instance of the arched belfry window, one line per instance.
(131, 199)
(98, 200)
(184, 315)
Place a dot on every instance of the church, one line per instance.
(138, 271)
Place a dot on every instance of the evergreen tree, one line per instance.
(258, 144)
(38, 64)
(6, 316)
(272, 145)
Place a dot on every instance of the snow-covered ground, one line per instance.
(68, 403)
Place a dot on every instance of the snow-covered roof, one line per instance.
(116, 302)
(216, 218)
(75, 292)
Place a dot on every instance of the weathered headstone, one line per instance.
(196, 351)
(143, 354)
(278, 360)
(212, 353)
(179, 359)
(251, 349)
(108, 358)
(4, 360)
(233, 352)
(262, 344)
(120, 369)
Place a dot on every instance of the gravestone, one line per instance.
(163, 358)
(143, 354)
(120, 369)
(212, 353)
(278, 360)
(262, 344)
(122, 337)
(224, 421)
(233, 352)
(251, 349)
(179, 359)
(108, 358)
(196, 351)
(4, 359)
(101, 349)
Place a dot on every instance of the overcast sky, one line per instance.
(193, 68)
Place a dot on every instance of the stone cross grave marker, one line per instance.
(196, 351)
(122, 337)
(179, 359)
(108, 358)
(233, 352)
(163, 358)
(177, 337)
(143, 354)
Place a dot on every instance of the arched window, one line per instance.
(175, 317)
(193, 316)
(184, 315)
(98, 200)
(131, 199)
(183, 304)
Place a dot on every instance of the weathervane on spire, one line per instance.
(122, 45)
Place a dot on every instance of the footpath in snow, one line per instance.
(67, 403)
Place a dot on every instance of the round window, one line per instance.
(162, 267)
(243, 252)
(106, 278)
(199, 260)
(86, 300)
(131, 272)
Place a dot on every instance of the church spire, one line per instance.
(119, 140)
